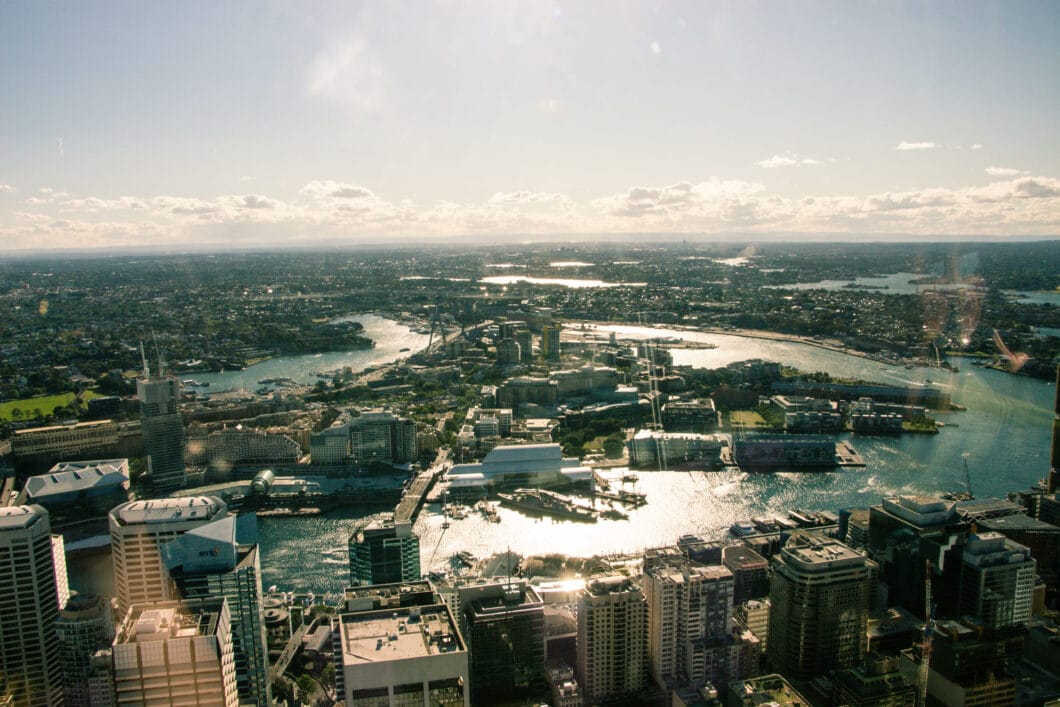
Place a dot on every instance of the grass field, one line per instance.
(748, 419)
(46, 404)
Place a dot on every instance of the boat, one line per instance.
(742, 528)
(542, 502)
(403, 350)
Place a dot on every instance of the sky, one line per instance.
(221, 124)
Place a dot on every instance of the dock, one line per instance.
(415, 496)
(847, 456)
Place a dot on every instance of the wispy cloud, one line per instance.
(905, 146)
(976, 146)
(350, 73)
(7, 188)
(1003, 171)
(789, 160)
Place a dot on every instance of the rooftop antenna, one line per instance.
(143, 357)
(158, 351)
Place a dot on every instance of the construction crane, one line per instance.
(925, 645)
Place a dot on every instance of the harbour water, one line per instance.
(1005, 432)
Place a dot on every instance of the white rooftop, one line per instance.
(169, 510)
(18, 517)
(381, 636)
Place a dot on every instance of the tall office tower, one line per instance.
(85, 626)
(526, 345)
(402, 656)
(550, 341)
(175, 652)
(163, 431)
(821, 595)
(30, 669)
(382, 552)
(138, 529)
(221, 559)
(690, 625)
(904, 533)
(750, 573)
(62, 581)
(504, 626)
(997, 581)
(612, 639)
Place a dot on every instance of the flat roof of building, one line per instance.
(147, 623)
(53, 428)
(168, 510)
(815, 552)
(18, 517)
(404, 634)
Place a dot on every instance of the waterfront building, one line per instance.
(612, 643)
(584, 381)
(83, 488)
(163, 432)
(698, 415)
(821, 595)
(138, 529)
(651, 447)
(39, 448)
(750, 573)
(221, 559)
(384, 552)
(330, 447)
(231, 447)
(810, 421)
(526, 464)
(1041, 538)
(772, 451)
(30, 662)
(175, 652)
(923, 395)
(997, 581)
(405, 656)
(504, 626)
(690, 624)
(877, 682)
(905, 532)
(85, 627)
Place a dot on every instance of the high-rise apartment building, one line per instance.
(382, 552)
(550, 341)
(138, 529)
(163, 431)
(30, 666)
(504, 626)
(372, 436)
(176, 653)
(85, 626)
(997, 581)
(612, 639)
(221, 559)
(821, 595)
(690, 624)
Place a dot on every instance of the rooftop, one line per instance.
(169, 510)
(71, 477)
(19, 517)
(148, 623)
(404, 634)
(54, 428)
(816, 553)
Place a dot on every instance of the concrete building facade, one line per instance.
(612, 646)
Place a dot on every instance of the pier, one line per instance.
(416, 495)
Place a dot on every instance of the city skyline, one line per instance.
(199, 127)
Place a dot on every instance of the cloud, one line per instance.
(350, 73)
(655, 48)
(329, 189)
(789, 160)
(976, 146)
(904, 146)
(550, 105)
(7, 188)
(1003, 172)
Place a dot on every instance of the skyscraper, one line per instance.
(690, 624)
(821, 596)
(85, 626)
(997, 581)
(612, 639)
(30, 667)
(504, 625)
(221, 559)
(138, 529)
(550, 341)
(163, 432)
(169, 653)
(382, 552)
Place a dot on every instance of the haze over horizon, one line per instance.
(150, 125)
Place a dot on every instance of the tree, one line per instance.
(306, 687)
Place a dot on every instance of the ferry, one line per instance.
(548, 503)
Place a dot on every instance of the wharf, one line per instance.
(415, 496)
(845, 455)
